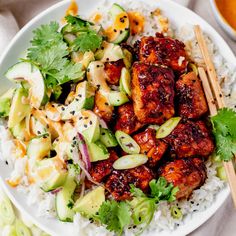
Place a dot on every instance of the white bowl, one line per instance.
(179, 16)
(222, 22)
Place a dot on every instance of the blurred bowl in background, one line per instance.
(222, 17)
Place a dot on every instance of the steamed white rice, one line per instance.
(200, 199)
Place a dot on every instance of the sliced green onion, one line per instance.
(127, 143)
(22, 229)
(7, 215)
(143, 211)
(167, 127)
(156, 127)
(220, 172)
(176, 213)
(130, 161)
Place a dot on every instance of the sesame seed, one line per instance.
(90, 122)
(80, 118)
(72, 112)
(98, 66)
(106, 104)
(115, 30)
(85, 126)
(77, 99)
(6, 162)
(121, 31)
(79, 95)
(63, 108)
(85, 117)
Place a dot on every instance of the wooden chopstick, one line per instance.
(206, 81)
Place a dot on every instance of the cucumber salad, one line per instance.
(71, 114)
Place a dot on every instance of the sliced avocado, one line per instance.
(83, 58)
(108, 138)
(64, 200)
(19, 108)
(98, 151)
(121, 24)
(39, 147)
(110, 52)
(25, 71)
(5, 103)
(117, 98)
(84, 99)
(18, 131)
(87, 123)
(58, 176)
(91, 202)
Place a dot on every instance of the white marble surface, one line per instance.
(15, 13)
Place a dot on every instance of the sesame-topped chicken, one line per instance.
(187, 174)
(127, 121)
(152, 93)
(191, 99)
(151, 146)
(164, 51)
(190, 138)
(113, 71)
(101, 169)
(118, 183)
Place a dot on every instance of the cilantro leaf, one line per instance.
(137, 192)
(114, 215)
(78, 22)
(161, 189)
(224, 130)
(87, 41)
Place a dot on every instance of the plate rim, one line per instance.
(64, 3)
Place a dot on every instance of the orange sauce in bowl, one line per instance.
(227, 9)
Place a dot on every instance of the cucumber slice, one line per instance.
(83, 58)
(69, 38)
(98, 151)
(7, 215)
(22, 229)
(117, 98)
(64, 201)
(125, 81)
(28, 72)
(121, 24)
(19, 108)
(108, 138)
(39, 147)
(130, 161)
(52, 173)
(87, 123)
(166, 128)
(9, 230)
(91, 202)
(127, 143)
(84, 99)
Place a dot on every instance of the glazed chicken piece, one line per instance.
(190, 139)
(126, 120)
(152, 93)
(113, 71)
(192, 102)
(187, 174)
(102, 108)
(163, 51)
(151, 146)
(101, 169)
(118, 183)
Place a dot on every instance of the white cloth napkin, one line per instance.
(15, 13)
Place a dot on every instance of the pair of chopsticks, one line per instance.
(214, 98)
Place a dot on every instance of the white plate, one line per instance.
(17, 48)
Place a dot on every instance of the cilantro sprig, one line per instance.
(50, 53)
(140, 211)
(224, 130)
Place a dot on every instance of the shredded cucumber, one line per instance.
(176, 213)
